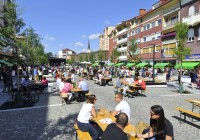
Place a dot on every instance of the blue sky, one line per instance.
(69, 23)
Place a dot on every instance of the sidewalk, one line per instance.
(3, 96)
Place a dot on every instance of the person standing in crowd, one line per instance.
(86, 113)
(35, 74)
(122, 106)
(40, 73)
(114, 131)
(83, 86)
(193, 77)
(160, 127)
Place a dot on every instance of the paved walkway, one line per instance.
(48, 119)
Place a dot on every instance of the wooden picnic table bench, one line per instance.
(81, 135)
(188, 113)
(195, 104)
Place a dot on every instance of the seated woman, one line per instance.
(44, 82)
(86, 113)
(160, 128)
(139, 82)
(67, 89)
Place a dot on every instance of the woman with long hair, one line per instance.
(160, 127)
(86, 113)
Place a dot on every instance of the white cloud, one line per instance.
(107, 22)
(83, 36)
(78, 44)
(94, 36)
(50, 38)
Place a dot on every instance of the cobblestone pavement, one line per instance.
(48, 119)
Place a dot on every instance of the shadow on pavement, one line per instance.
(188, 122)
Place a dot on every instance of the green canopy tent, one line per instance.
(141, 65)
(119, 64)
(6, 63)
(187, 65)
(110, 64)
(130, 64)
(161, 65)
(95, 64)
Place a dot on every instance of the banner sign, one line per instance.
(193, 56)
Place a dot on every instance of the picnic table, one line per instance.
(77, 90)
(104, 118)
(195, 104)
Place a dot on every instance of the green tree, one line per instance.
(114, 56)
(81, 58)
(132, 50)
(100, 55)
(92, 57)
(181, 50)
(11, 26)
(72, 60)
(33, 50)
(86, 58)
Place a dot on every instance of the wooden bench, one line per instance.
(131, 93)
(81, 135)
(188, 113)
(63, 97)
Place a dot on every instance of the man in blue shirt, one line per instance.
(84, 87)
(35, 74)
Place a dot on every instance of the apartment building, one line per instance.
(146, 29)
(170, 16)
(65, 53)
(190, 14)
(104, 38)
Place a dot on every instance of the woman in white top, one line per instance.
(86, 113)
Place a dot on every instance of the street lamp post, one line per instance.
(153, 62)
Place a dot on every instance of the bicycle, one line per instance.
(28, 94)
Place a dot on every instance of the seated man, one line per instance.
(83, 86)
(110, 78)
(122, 106)
(114, 131)
(129, 81)
(26, 82)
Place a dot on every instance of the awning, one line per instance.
(5, 62)
(187, 65)
(95, 64)
(130, 64)
(119, 64)
(141, 64)
(110, 64)
(160, 65)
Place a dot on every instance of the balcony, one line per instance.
(122, 57)
(123, 49)
(164, 42)
(121, 40)
(192, 19)
(170, 24)
(122, 31)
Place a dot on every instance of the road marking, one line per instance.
(28, 108)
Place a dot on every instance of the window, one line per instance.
(153, 24)
(145, 39)
(191, 35)
(159, 22)
(191, 10)
(133, 32)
